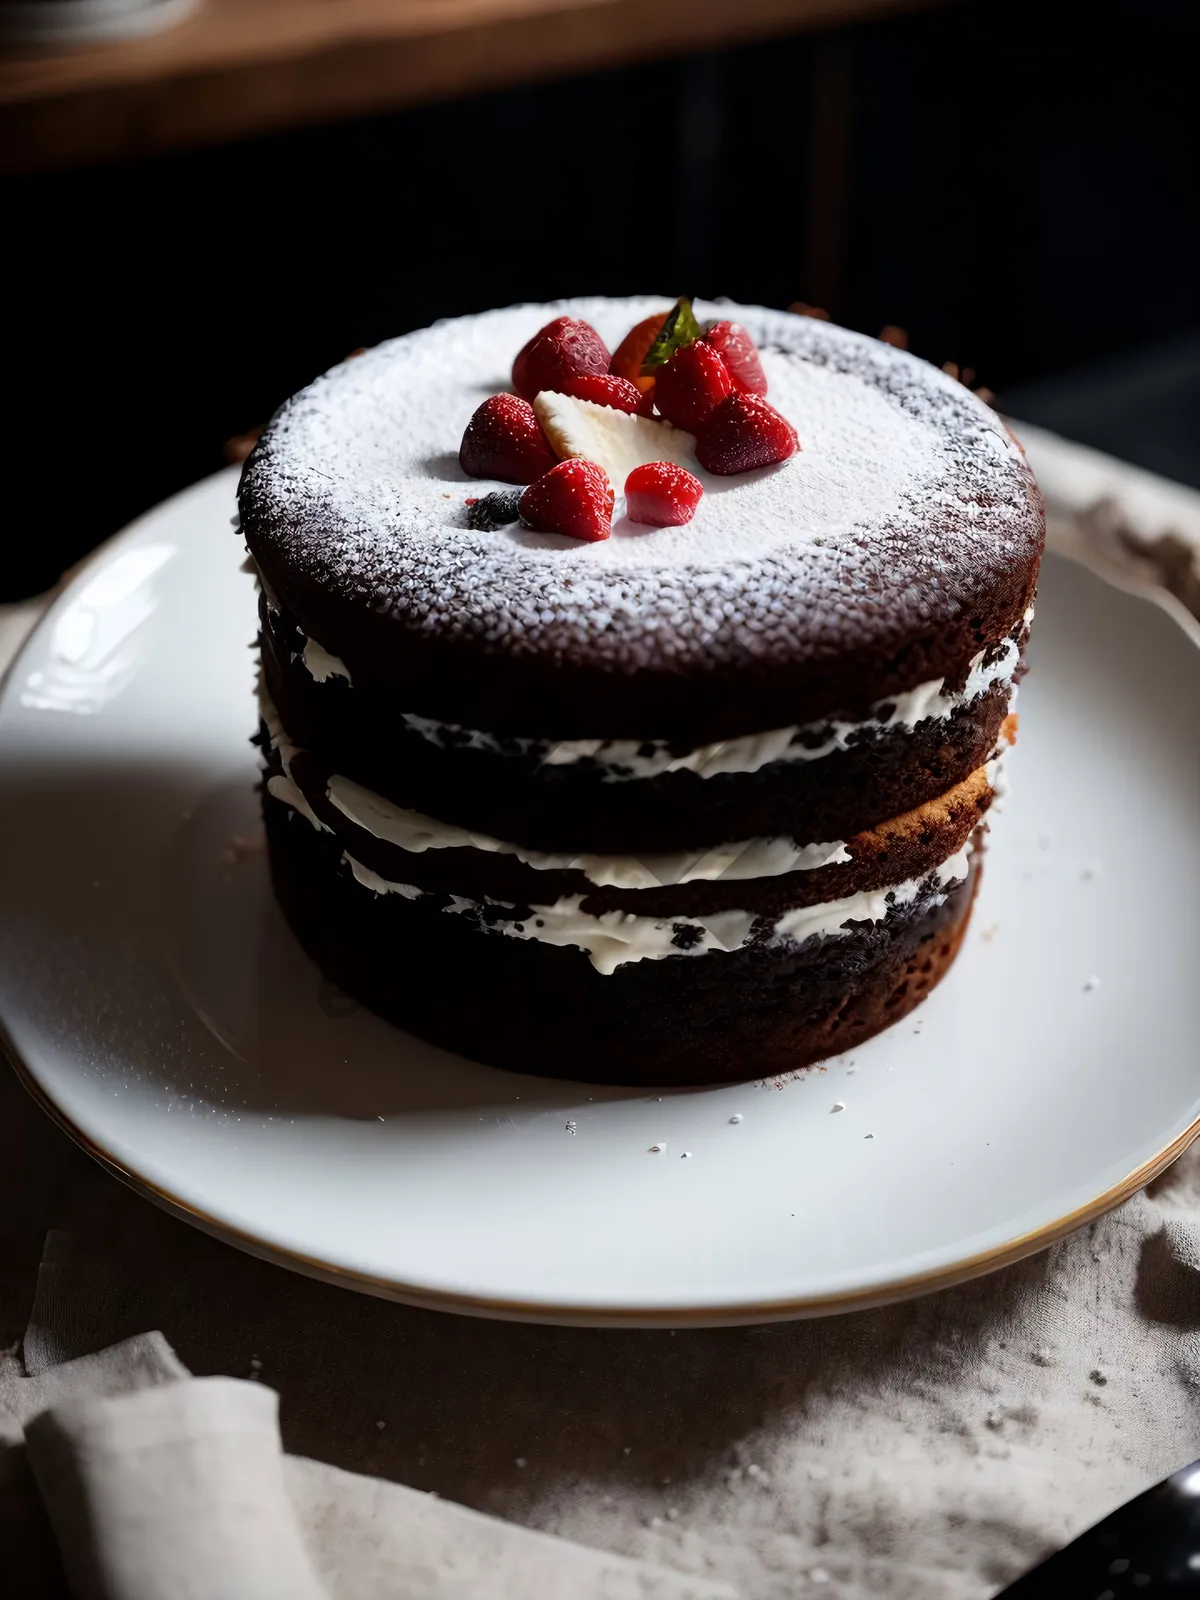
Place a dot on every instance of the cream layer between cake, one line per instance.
(611, 939)
(626, 759)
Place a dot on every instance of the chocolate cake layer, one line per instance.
(900, 542)
(573, 807)
(903, 848)
(765, 1008)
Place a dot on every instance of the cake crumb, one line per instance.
(572, 1127)
(1092, 870)
(736, 1118)
(1091, 983)
(520, 1461)
(658, 1149)
(381, 1426)
(685, 1155)
(838, 1105)
(868, 1135)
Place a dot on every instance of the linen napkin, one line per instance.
(157, 1484)
(173, 1490)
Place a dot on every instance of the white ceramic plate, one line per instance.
(155, 1003)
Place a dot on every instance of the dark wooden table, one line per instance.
(243, 67)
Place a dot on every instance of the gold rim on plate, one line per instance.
(985, 1261)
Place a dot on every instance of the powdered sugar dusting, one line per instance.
(357, 487)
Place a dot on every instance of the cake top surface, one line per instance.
(907, 502)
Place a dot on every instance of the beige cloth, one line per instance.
(177, 1489)
(931, 1451)
(158, 1484)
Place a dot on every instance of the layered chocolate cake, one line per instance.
(684, 799)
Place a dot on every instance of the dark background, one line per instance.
(1016, 186)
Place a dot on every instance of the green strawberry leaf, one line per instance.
(679, 329)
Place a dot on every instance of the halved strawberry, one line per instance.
(504, 440)
(574, 497)
(607, 390)
(631, 352)
(737, 350)
(562, 349)
(691, 385)
(745, 432)
(662, 494)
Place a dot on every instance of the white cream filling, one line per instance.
(616, 937)
(801, 742)
(625, 759)
(321, 665)
(284, 788)
(416, 832)
(748, 858)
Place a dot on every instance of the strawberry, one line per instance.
(562, 349)
(745, 432)
(574, 497)
(662, 494)
(631, 352)
(606, 390)
(736, 349)
(691, 385)
(503, 440)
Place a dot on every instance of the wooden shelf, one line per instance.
(238, 68)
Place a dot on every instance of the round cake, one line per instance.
(681, 804)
